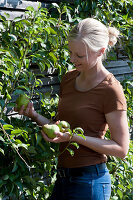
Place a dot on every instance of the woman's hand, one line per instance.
(29, 111)
(60, 137)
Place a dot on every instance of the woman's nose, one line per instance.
(72, 58)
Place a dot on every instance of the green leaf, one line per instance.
(25, 146)
(119, 192)
(70, 151)
(27, 63)
(122, 187)
(52, 30)
(82, 136)
(1, 196)
(8, 96)
(2, 139)
(8, 127)
(24, 87)
(2, 151)
(13, 37)
(5, 177)
(53, 56)
(120, 175)
(2, 102)
(55, 5)
(7, 15)
(38, 138)
(2, 17)
(53, 114)
(75, 144)
(16, 131)
(38, 82)
(15, 166)
(32, 150)
(17, 19)
(78, 130)
(6, 72)
(18, 91)
(30, 8)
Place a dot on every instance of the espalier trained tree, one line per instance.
(26, 160)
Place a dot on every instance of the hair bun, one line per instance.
(113, 35)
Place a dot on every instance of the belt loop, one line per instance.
(97, 169)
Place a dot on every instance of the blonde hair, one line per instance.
(95, 34)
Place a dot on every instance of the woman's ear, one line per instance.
(101, 51)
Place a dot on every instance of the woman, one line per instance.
(90, 98)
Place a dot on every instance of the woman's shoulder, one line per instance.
(111, 83)
(114, 98)
(113, 88)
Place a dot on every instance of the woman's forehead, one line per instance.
(76, 44)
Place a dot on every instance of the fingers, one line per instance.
(28, 108)
(46, 138)
(23, 111)
(57, 122)
(55, 140)
(60, 137)
(15, 108)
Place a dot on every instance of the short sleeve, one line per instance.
(114, 98)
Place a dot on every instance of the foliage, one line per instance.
(128, 91)
(121, 176)
(28, 163)
(49, 107)
(28, 176)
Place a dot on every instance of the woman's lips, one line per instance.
(77, 65)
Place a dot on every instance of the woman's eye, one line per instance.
(75, 55)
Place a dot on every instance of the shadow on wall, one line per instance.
(12, 3)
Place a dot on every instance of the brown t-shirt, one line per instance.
(87, 110)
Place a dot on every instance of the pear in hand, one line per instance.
(64, 126)
(22, 100)
(50, 129)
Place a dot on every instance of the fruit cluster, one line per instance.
(49, 130)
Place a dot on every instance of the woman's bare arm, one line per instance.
(118, 144)
(31, 113)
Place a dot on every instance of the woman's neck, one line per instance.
(94, 73)
(89, 79)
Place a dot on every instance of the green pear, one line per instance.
(22, 100)
(50, 129)
(63, 126)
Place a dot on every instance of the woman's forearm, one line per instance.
(41, 120)
(103, 146)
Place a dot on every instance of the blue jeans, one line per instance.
(84, 183)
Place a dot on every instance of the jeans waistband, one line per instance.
(66, 172)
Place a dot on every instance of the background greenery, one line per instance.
(28, 163)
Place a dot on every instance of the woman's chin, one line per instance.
(78, 67)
